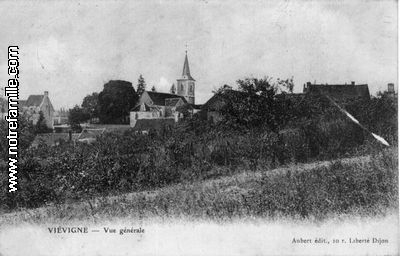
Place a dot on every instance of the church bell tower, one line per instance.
(185, 84)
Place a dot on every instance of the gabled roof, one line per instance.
(146, 108)
(34, 100)
(159, 98)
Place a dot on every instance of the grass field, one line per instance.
(361, 186)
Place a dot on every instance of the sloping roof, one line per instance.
(186, 70)
(171, 102)
(339, 91)
(34, 100)
(153, 124)
(159, 98)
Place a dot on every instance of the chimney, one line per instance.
(46, 93)
(353, 83)
(391, 88)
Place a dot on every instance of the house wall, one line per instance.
(136, 115)
(48, 111)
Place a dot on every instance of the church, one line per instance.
(157, 109)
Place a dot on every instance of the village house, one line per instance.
(36, 104)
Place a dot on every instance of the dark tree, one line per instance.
(76, 116)
(91, 105)
(153, 89)
(116, 100)
(41, 126)
(141, 86)
(255, 103)
(173, 89)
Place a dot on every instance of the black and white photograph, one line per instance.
(199, 127)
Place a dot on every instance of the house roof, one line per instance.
(146, 107)
(339, 91)
(34, 100)
(171, 102)
(153, 124)
(159, 98)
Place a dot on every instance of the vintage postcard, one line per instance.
(199, 127)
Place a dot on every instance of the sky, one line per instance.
(72, 48)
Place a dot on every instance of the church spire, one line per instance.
(186, 70)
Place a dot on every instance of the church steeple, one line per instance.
(185, 85)
(186, 70)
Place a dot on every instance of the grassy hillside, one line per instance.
(361, 186)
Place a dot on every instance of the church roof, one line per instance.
(171, 102)
(159, 98)
(186, 70)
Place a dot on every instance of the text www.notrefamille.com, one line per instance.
(11, 92)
